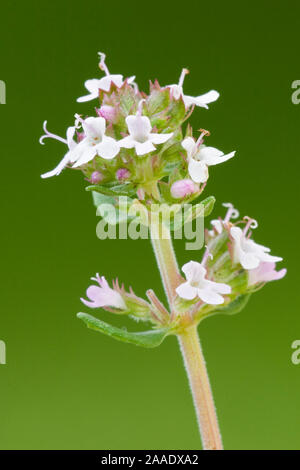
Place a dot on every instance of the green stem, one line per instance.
(166, 260)
(201, 391)
(189, 342)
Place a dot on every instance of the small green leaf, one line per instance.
(116, 190)
(201, 209)
(146, 339)
(99, 199)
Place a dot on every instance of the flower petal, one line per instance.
(210, 297)
(139, 127)
(160, 138)
(186, 291)
(198, 171)
(265, 272)
(193, 271)
(128, 142)
(219, 287)
(189, 145)
(248, 260)
(87, 155)
(143, 148)
(201, 100)
(213, 156)
(57, 170)
(94, 127)
(108, 148)
(92, 86)
(70, 137)
(105, 82)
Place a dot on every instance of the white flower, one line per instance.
(202, 100)
(94, 143)
(140, 136)
(248, 253)
(94, 85)
(103, 296)
(197, 286)
(201, 157)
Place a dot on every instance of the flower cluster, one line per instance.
(136, 145)
(233, 264)
(136, 141)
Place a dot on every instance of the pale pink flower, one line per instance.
(197, 285)
(265, 272)
(140, 136)
(247, 252)
(103, 295)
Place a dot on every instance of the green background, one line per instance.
(66, 387)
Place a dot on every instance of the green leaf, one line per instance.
(126, 189)
(146, 339)
(99, 199)
(235, 306)
(201, 209)
(208, 203)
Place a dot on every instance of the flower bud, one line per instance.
(96, 177)
(122, 174)
(107, 112)
(182, 188)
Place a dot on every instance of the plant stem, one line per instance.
(166, 260)
(189, 343)
(201, 390)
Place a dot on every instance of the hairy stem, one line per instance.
(201, 390)
(189, 343)
(166, 260)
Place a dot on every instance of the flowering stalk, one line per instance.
(189, 343)
(166, 260)
(202, 395)
(139, 153)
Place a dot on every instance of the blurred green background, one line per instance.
(66, 387)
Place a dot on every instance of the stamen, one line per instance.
(51, 136)
(102, 64)
(204, 132)
(182, 76)
(232, 213)
(207, 254)
(140, 107)
(251, 223)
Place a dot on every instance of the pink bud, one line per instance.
(107, 112)
(96, 177)
(182, 188)
(122, 174)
